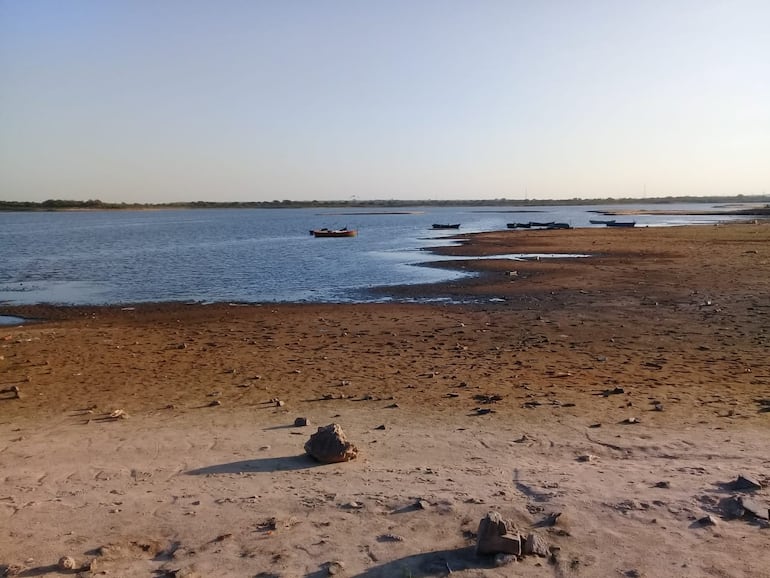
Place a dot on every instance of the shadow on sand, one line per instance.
(300, 462)
(425, 565)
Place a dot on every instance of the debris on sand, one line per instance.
(329, 445)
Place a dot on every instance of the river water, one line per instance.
(243, 255)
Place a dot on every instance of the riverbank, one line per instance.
(624, 391)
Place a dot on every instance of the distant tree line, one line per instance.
(95, 204)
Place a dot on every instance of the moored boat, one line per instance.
(442, 226)
(601, 221)
(621, 224)
(333, 232)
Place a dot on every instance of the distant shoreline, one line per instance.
(385, 206)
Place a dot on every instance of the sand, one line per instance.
(519, 402)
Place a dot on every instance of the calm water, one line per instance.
(246, 255)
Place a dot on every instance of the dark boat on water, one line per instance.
(538, 225)
(333, 232)
(621, 224)
(601, 221)
(441, 226)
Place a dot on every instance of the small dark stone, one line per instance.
(300, 422)
(732, 507)
(664, 485)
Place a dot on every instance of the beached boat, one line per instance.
(621, 224)
(333, 232)
(441, 226)
(601, 221)
(559, 226)
(519, 225)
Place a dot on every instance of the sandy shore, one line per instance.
(519, 403)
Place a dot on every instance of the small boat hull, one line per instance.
(440, 226)
(334, 232)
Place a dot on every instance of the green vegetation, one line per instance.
(95, 204)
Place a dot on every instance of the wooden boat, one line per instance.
(622, 224)
(334, 232)
(538, 225)
(601, 221)
(440, 226)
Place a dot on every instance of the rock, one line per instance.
(497, 536)
(66, 563)
(664, 484)
(732, 507)
(587, 458)
(707, 521)
(552, 519)
(335, 568)
(300, 422)
(630, 420)
(329, 445)
(535, 544)
(422, 504)
(755, 507)
(505, 559)
(390, 538)
(744, 482)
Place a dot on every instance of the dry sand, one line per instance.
(204, 474)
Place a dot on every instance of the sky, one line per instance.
(157, 101)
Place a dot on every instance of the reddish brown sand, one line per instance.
(204, 475)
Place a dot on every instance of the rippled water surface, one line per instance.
(247, 255)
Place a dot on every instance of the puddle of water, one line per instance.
(11, 320)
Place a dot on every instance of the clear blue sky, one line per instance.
(175, 100)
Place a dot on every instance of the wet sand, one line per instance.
(491, 405)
